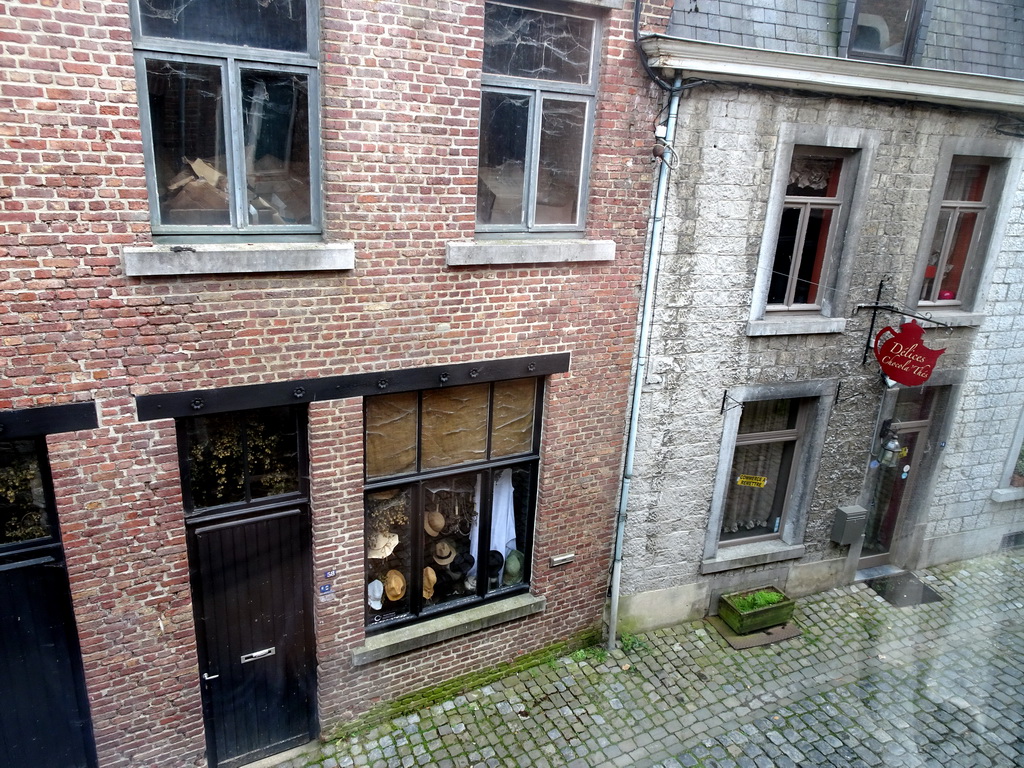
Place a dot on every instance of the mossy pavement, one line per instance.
(865, 684)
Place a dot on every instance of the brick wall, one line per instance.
(399, 108)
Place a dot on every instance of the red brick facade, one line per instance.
(400, 94)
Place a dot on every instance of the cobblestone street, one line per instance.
(865, 684)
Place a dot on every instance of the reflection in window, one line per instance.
(24, 508)
(452, 525)
(535, 116)
(884, 29)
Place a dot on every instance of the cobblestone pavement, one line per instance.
(866, 684)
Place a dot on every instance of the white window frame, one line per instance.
(538, 91)
(1006, 490)
(232, 60)
(1006, 164)
(858, 148)
(788, 542)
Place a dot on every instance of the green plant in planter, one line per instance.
(755, 610)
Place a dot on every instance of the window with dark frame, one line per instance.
(954, 257)
(884, 30)
(536, 117)
(26, 499)
(236, 459)
(451, 477)
(230, 125)
(807, 247)
(763, 468)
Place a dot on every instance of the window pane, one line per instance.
(881, 26)
(275, 24)
(542, 46)
(966, 182)
(928, 292)
(275, 111)
(186, 109)
(561, 152)
(814, 176)
(512, 431)
(757, 496)
(956, 259)
(389, 555)
(391, 430)
(768, 416)
(506, 558)
(454, 426)
(812, 257)
(1017, 478)
(782, 265)
(239, 457)
(23, 512)
(451, 524)
(504, 128)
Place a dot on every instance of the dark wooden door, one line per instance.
(252, 584)
(44, 714)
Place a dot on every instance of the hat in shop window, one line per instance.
(433, 523)
(513, 568)
(375, 594)
(382, 545)
(444, 552)
(429, 580)
(462, 564)
(494, 561)
(394, 585)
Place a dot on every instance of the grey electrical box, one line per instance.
(849, 524)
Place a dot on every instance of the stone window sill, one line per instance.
(791, 325)
(1007, 494)
(748, 555)
(414, 636)
(468, 253)
(249, 258)
(955, 317)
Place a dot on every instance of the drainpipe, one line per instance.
(640, 371)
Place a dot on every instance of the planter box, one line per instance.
(743, 623)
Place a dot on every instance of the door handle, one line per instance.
(247, 657)
(208, 676)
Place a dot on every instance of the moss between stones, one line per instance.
(449, 689)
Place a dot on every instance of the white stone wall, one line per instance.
(724, 154)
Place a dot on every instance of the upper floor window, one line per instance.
(536, 119)
(809, 230)
(884, 30)
(955, 253)
(230, 115)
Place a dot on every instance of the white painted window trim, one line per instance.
(806, 461)
(862, 145)
(1007, 161)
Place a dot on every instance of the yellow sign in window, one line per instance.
(752, 481)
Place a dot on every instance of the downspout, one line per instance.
(640, 371)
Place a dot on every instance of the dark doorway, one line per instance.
(250, 559)
(44, 712)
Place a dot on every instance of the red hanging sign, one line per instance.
(903, 356)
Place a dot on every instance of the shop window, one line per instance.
(230, 116)
(807, 247)
(451, 476)
(536, 118)
(237, 459)
(884, 30)
(955, 252)
(763, 464)
(26, 508)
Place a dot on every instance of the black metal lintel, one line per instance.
(47, 420)
(201, 402)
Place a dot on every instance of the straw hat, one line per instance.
(394, 585)
(433, 523)
(513, 568)
(444, 552)
(429, 580)
(382, 545)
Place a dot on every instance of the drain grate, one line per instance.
(903, 589)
